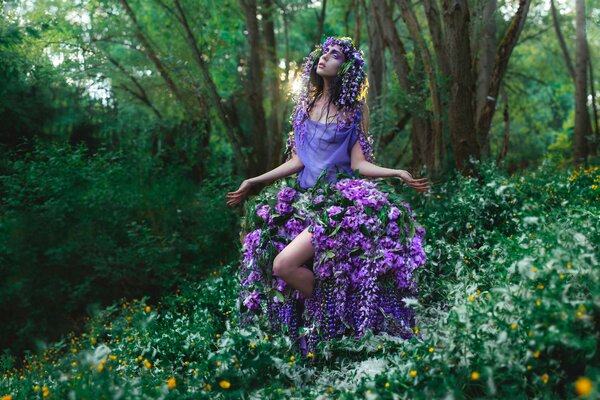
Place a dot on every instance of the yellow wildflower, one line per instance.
(112, 357)
(252, 345)
(310, 354)
(148, 309)
(536, 354)
(545, 378)
(387, 385)
(474, 375)
(569, 265)
(36, 388)
(100, 367)
(147, 364)
(207, 387)
(471, 298)
(45, 391)
(413, 373)
(218, 363)
(540, 286)
(431, 349)
(513, 325)
(225, 384)
(583, 386)
(6, 397)
(171, 384)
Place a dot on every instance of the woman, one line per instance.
(329, 252)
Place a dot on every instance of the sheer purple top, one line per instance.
(324, 148)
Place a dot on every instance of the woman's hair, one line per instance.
(348, 92)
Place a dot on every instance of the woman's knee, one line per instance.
(281, 265)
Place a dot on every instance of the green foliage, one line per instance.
(80, 229)
(509, 306)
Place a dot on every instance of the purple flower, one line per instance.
(254, 276)
(334, 210)
(286, 194)
(392, 229)
(294, 226)
(280, 284)
(318, 199)
(394, 213)
(251, 241)
(284, 208)
(252, 301)
(263, 212)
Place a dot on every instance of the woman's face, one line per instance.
(330, 61)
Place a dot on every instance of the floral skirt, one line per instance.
(367, 246)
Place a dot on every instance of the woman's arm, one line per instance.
(365, 168)
(358, 161)
(289, 167)
(293, 165)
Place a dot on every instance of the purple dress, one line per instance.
(324, 147)
(366, 242)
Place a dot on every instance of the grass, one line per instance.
(509, 305)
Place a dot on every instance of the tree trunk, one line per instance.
(580, 148)
(376, 71)
(594, 149)
(275, 134)
(321, 21)
(561, 40)
(434, 125)
(506, 120)
(503, 53)
(461, 110)
(254, 91)
(487, 49)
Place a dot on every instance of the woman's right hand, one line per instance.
(239, 195)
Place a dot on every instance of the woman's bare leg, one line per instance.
(288, 264)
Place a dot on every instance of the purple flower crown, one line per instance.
(349, 102)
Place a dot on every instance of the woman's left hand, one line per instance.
(420, 185)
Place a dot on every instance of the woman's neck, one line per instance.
(326, 88)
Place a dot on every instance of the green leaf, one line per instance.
(277, 294)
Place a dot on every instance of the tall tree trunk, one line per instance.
(485, 64)
(434, 126)
(254, 91)
(580, 149)
(506, 120)
(321, 21)
(421, 130)
(275, 141)
(503, 53)
(376, 71)
(561, 40)
(356, 36)
(461, 110)
(594, 149)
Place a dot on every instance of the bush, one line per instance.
(79, 229)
